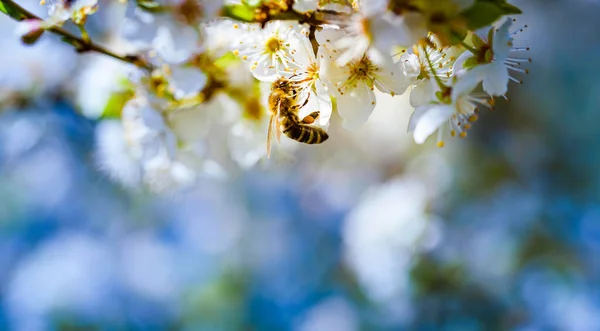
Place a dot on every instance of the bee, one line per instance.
(284, 106)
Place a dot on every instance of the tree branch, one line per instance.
(81, 45)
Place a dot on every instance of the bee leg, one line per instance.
(305, 101)
(311, 118)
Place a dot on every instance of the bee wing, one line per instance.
(277, 126)
(269, 135)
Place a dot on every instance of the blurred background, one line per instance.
(499, 231)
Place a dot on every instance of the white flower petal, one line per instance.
(422, 93)
(410, 64)
(114, 156)
(187, 81)
(356, 106)
(415, 117)
(391, 78)
(329, 71)
(495, 79)
(373, 7)
(502, 43)
(328, 35)
(433, 118)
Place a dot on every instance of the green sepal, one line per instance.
(486, 12)
(470, 62)
(32, 37)
(491, 36)
(477, 41)
(489, 56)
(457, 36)
(444, 96)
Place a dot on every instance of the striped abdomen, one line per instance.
(302, 132)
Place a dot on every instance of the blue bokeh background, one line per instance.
(500, 231)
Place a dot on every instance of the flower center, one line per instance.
(273, 45)
(362, 68)
(313, 71)
(189, 12)
(361, 71)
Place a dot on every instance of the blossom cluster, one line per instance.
(198, 95)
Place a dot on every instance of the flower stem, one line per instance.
(435, 76)
(83, 44)
(313, 18)
(84, 34)
(469, 47)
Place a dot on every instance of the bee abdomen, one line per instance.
(305, 133)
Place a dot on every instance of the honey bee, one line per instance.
(284, 107)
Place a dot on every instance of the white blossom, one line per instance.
(353, 83)
(457, 113)
(75, 10)
(376, 31)
(495, 75)
(436, 65)
(147, 153)
(269, 50)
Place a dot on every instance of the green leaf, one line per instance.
(226, 60)
(12, 10)
(243, 13)
(486, 12)
(115, 104)
(150, 6)
(510, 9)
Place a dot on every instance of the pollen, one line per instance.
(273, 45)
(440, 144)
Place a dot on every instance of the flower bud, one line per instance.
(30, 30)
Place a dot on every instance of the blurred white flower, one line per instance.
(383, 232)
(342, 6)
(97, 81)
(43, 66)
(75, 10)
(113, 155)
(71, 272)
(175, 32)
(148, 152)
(149, 267)
(330, 314)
